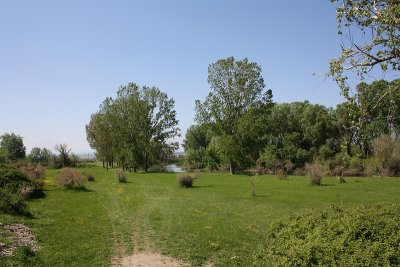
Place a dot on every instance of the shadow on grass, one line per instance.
(201, 186)
(38, 194)
(80, 189)
(322, 185)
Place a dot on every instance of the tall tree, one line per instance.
(99, 136)
(138, 126)
(236, 88)
(13, 146)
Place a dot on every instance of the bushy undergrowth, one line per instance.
(121, 175)
(358, 236)
(12, 204)
(36, 173)
(12, 179)
(185, 179)
(70, 178)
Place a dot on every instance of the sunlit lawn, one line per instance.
(216, 221)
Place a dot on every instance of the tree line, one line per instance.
(239, 126)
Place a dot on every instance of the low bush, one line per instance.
(36, 173)
(315, 172)
(12, 179)
(12, 204)
(281, 173)
(88, 176)
(70, 178)
(185, 179)
(357, 236)
(121, 175)
(16, 182)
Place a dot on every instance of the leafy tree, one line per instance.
(13, 146)
(99, 136)
(298, 132)
(378, 22)
(136, 127)
(64, 159)
(237, 87)
(40, 155)
(368, 115)
(196, 142)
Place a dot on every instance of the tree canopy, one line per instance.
(237, 89)
(378, 22)
(13, 146)
(137, 128)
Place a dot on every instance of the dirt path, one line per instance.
(143, 254)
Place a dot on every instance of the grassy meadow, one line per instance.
(217, 221)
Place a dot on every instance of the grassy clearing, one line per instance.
(217, 220)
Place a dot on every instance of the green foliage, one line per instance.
(12, 180)
(135, 128)
(371, 29)
(12, 203)
(70, 178)
(237, 96)
(186, 179)
(40, 155)
(13, 146)
(365, 235)
(63, 159)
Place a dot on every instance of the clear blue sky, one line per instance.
(60, 59)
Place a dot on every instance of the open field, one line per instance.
(217, 221)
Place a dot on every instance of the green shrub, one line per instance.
(70, 178)
(121, 175)
(12, 204)
(12, 179)
(358, 236)
(315, 172)
(16, 182)
(185, 179)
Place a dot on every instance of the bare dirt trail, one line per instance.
(143, 254)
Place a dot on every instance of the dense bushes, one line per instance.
(16, 186)
(70, 179)
(358, 236)
(12, 203)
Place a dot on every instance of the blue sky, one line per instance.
(60, 59)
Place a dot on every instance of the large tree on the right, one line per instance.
(370, 33)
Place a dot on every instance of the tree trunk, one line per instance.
(230, 167)
(145, 161)
(103, 163)
(107, 165)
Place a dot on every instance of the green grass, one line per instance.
(216, 221)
